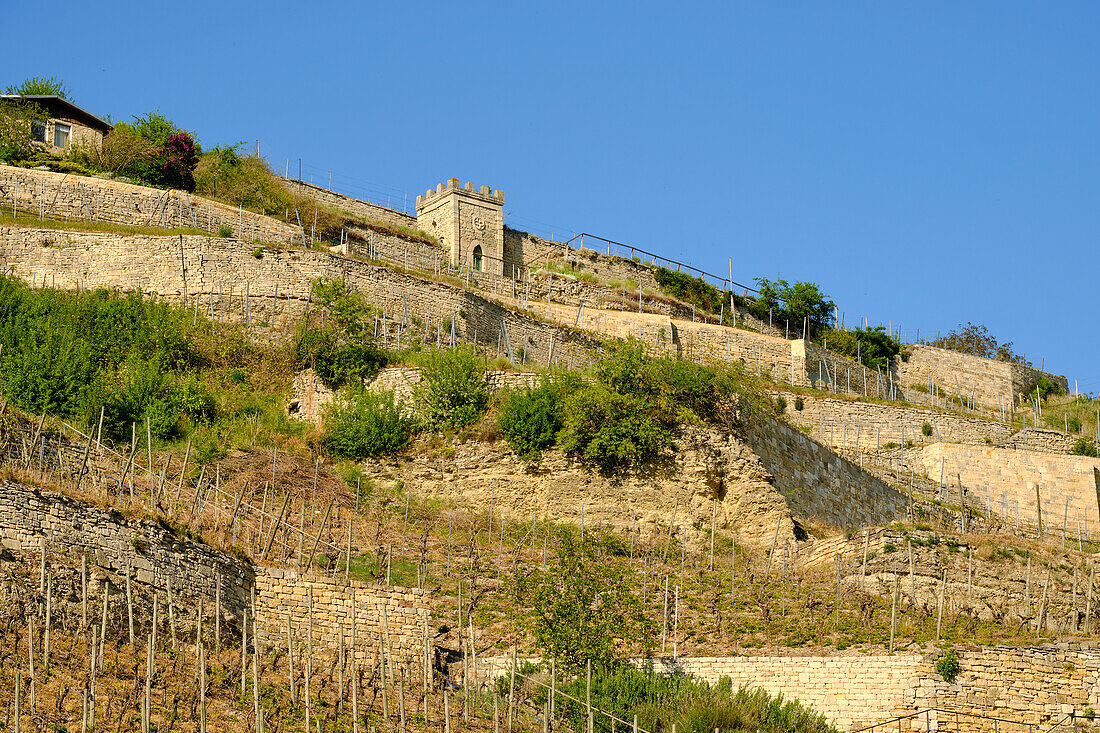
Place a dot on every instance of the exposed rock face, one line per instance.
(712, 474)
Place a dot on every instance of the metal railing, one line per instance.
(627, 251)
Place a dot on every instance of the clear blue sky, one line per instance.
(926, 163)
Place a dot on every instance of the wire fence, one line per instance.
(960, 721)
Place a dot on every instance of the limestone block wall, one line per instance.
(358, 207)
(991, 383)
(849, 424)
(1034, 685)
(217, 274)
(401, 252)
(402, 381)
(820, 484)
(523, 250)
(1028, 686)
(1069, 486)
(61, 196)
(29, 516)
(850, 690)
(399, 616)
(1043, 439)
(1024, 379)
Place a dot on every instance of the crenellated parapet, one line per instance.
(468, 221)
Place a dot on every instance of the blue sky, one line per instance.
(927, 164)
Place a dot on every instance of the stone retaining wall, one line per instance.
(820, 484)
(869, 425)
(1029, 686)
(224, 279)
(1069, 486)
(990, 383)
(400, 616)
(31, 520)
(357, 207)
(29, 516)
(61, 196)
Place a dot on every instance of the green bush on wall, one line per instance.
(365, 425)
(453, 393)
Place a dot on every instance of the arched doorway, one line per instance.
(477, 258)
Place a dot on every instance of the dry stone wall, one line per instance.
(29, 517)
(222, 278)
(32, 521)
(398, 616)
(1028, 686)
(849, 424)
(357, 207)
(61, 196)
(990, 383)
(820, 484)
(1068, 486)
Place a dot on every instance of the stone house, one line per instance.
(66, 123)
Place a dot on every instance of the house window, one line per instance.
(38, 131)
(477, 258)
(60, 135)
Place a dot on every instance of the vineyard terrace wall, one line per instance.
(225, 278)
(60, 196)
(33, 522)
(1065, 488)
(1029, 688)
(358, 207)
(818, 483)
(994, 384)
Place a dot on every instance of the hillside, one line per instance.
(306, 415)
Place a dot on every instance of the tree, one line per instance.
(872, 346)
(44, 85)
(583, 607)
(977, 340)
(18, 120)
(796, 303)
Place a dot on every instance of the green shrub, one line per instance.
(337, 342)
(798, 404)
(365, 425)
(948, 666)
(336, 360)
(692, 290)
(258, 253)
(692, 706)
(225, 231)
(172, 156)
(780, 404)
(1085, 447)
(612, 430)
(530, 419)
(872, 346)
(1047, 387)
(70, 353)
(629, 416)
(453, 393)
(926, 429)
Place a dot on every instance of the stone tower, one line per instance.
(468, 222)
